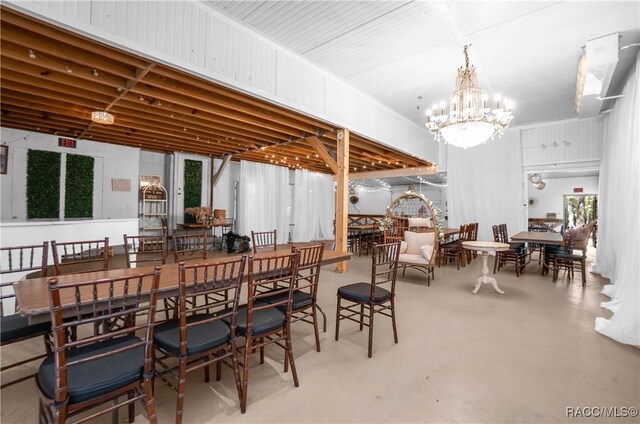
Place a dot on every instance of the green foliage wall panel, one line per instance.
(78, 198)
(43, 184)
(192, 187)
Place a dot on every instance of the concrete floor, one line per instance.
(523, 357)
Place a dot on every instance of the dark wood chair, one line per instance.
(304, 307)
(108, 363)
(453, 250)
(567, 260)
(14, 327)
(512, 255)
(263, 323)
(539, 227)
(266, 240)
(204, 333)
(189, 247)
(371, 296)
(145, 250)
(74, 257)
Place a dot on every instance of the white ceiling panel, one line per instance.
(399, 50)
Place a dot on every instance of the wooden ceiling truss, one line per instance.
(53, 79)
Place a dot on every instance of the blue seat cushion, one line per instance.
(300, 300)
(568, 256)
(94, 378)
(200, 338)
(16, 327)
(361, 292)
(264, 320)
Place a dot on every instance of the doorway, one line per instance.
(580, 209)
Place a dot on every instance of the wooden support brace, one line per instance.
(323, 153)
(342, 194)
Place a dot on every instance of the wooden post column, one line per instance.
(342, 194)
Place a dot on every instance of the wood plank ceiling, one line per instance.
(52, 80)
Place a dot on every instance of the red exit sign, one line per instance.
(577, 190)
(67, 142)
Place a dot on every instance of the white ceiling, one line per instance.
(398, 51)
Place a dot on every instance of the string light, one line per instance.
(32, 55)
(95, 72)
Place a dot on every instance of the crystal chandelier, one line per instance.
(102, 117)
(470, 120)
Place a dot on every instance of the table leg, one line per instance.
(485, 278)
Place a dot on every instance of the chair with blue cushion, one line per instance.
(104, 363)
(304, 302)
(14, 327)
(371, 295)
(204, 332)
(566, 259)
(262, 323)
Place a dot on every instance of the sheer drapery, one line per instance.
(618, 229)
(313, 206)
(485, 185)
(264, 199)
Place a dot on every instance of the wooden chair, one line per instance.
(145, 250)
(110, 362)
(189, 247)
(567, 260)
(371, 296)
(204, 333)
(453, 250)
(266, 240)
(74, 257)
(14, 327)
(264, 323)
(540, 227)
(513, 254)
(304, 307)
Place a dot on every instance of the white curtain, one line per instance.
(618, 229)
(264, 199)
(485, 185)
(313, 206)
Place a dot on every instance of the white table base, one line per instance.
(485, 278)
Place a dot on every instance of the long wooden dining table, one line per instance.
(32, 294)
(539, 237)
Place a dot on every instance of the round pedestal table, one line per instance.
(484, 248)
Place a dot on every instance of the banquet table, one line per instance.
(33, 294)
(543, 238)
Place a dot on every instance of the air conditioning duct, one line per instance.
(595, 69)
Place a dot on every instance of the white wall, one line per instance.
(196, 38)
(223, 194)
(111, 161)
(562, 143)
(550, 199)
(154, 163)
(371, 203)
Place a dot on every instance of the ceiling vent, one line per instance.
(595, 70)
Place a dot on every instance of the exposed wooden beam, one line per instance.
(225, 161)
(342, 193)
(388, 173)
(323, 152)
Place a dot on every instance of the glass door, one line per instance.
(580, 209)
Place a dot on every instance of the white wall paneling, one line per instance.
(562, 142)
